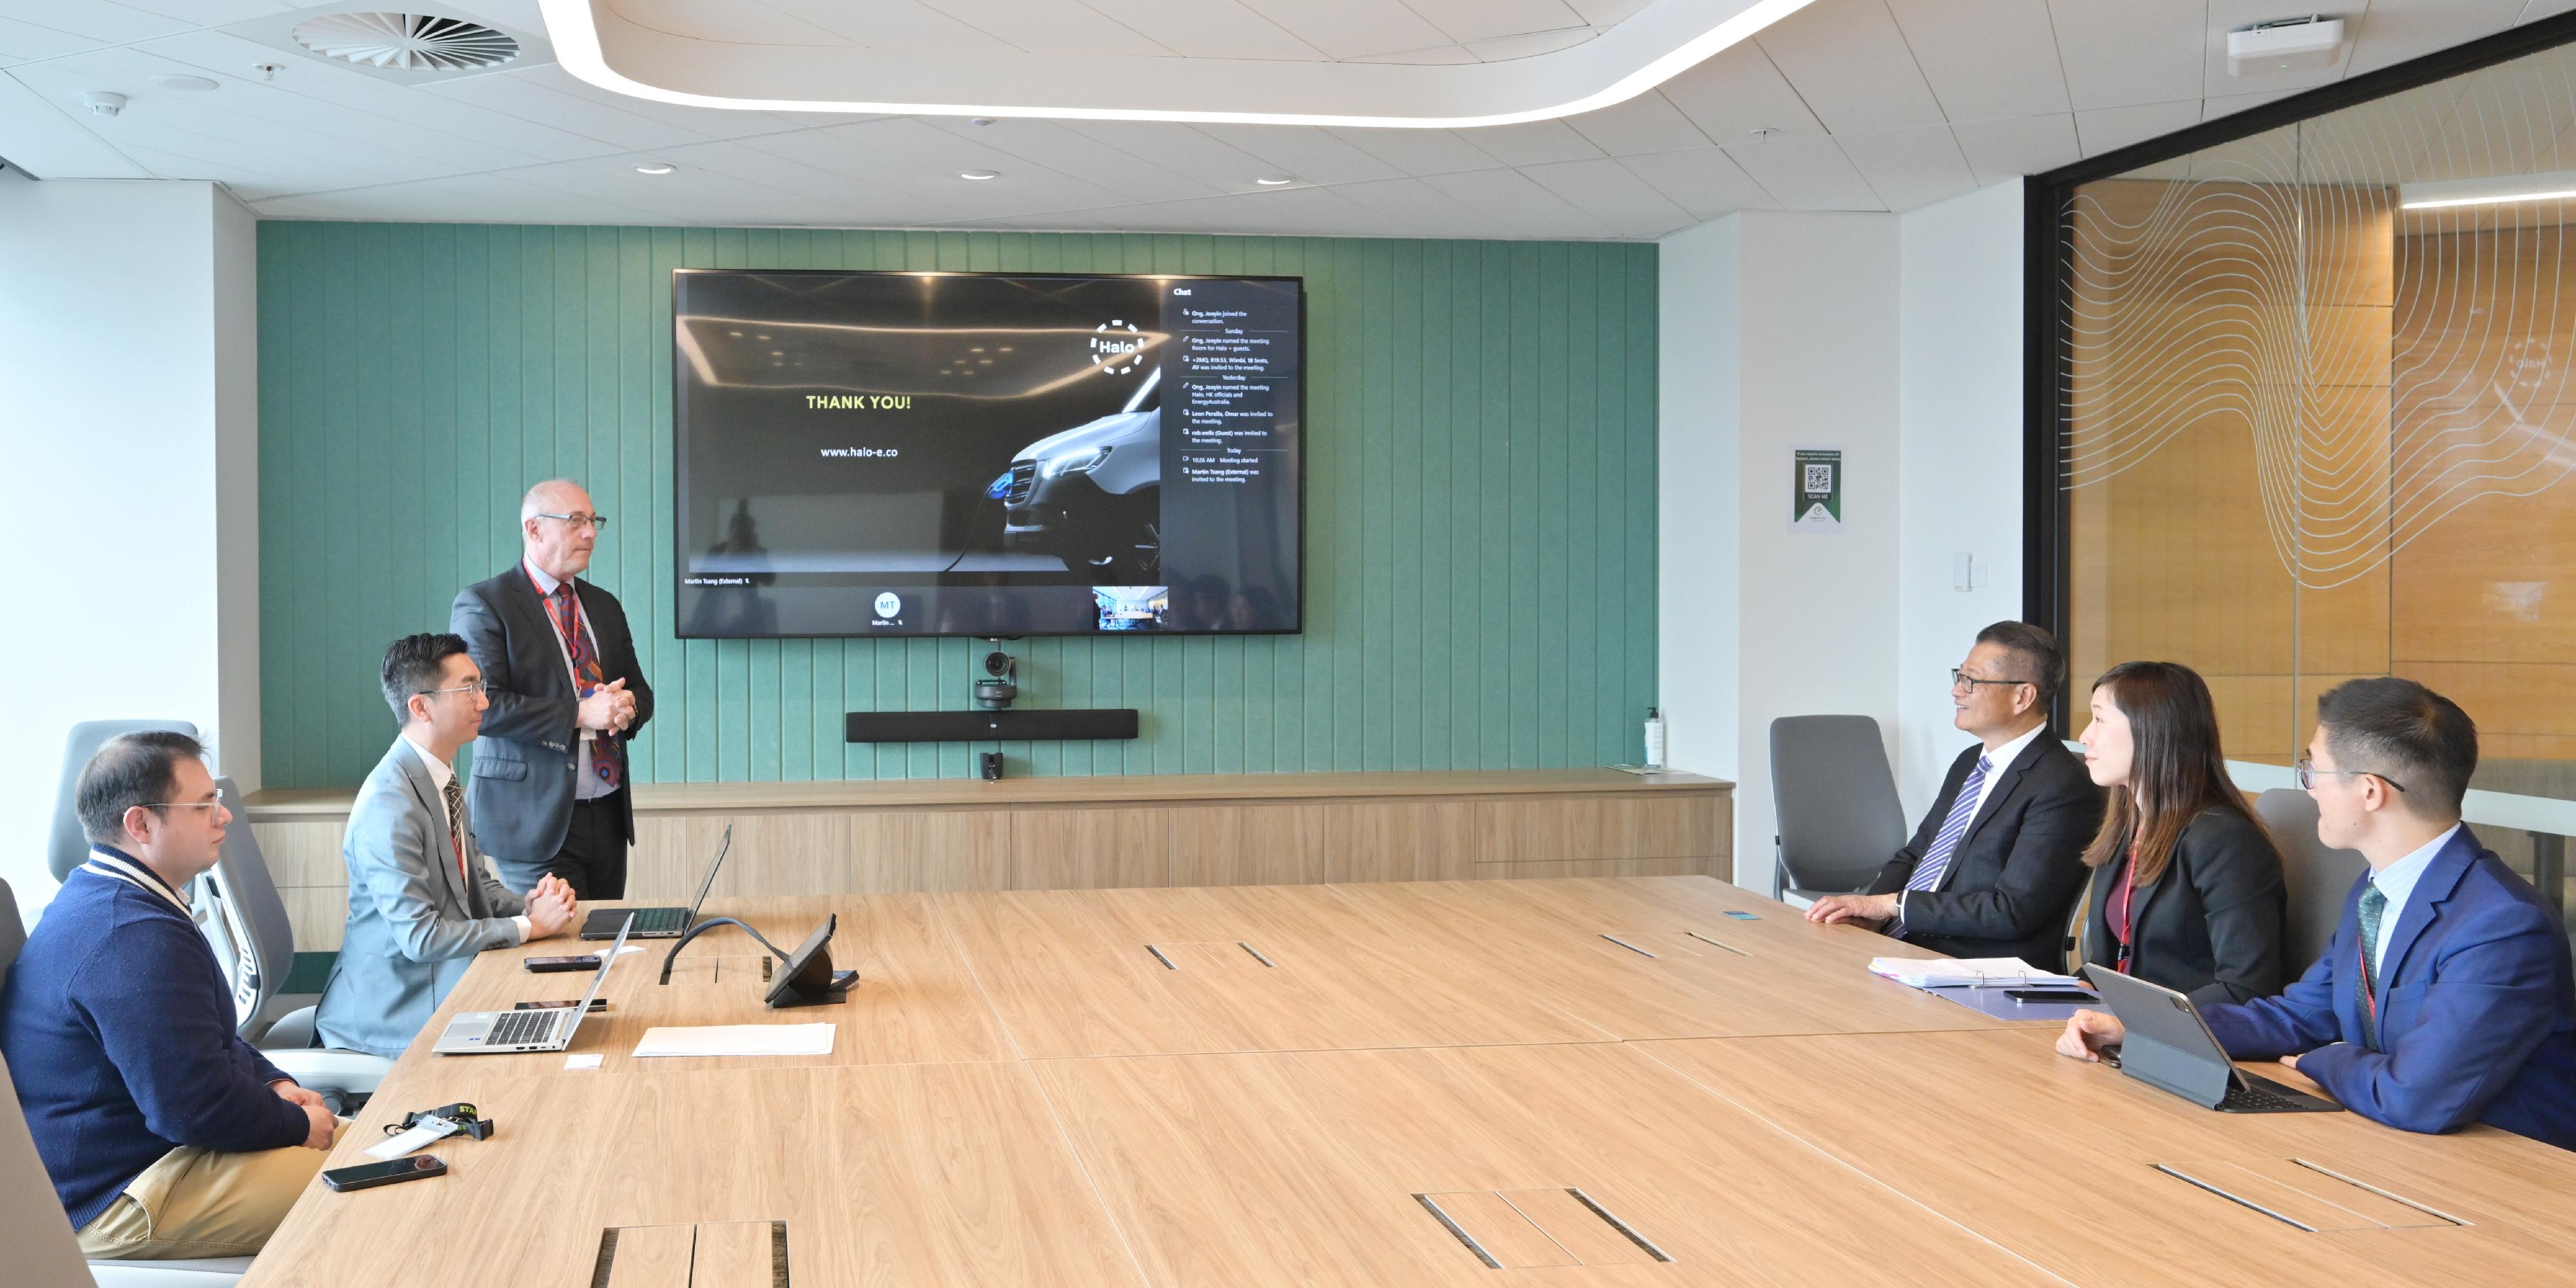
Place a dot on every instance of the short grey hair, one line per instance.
(533, 504)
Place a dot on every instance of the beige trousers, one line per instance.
(198, 1203)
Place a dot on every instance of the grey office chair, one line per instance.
(36, 1240)
(245, 921)
(69, 846)
(1835, 800)
(2318, 878)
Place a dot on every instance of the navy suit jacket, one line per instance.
(2477, 1012)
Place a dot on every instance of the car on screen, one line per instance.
(1092, 495)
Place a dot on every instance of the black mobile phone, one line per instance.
(546, 965)
(2075, 995)
(390, 1172)
(597, 1004)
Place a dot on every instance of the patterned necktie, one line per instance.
(1936, 861)
(585, 669)
(2374, 905)
(455, 794)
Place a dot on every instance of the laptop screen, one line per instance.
(722, 849)
(606, 960)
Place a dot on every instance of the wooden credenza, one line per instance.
(886, 837)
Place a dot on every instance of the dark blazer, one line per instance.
(2009, 888)
(2211, 924)
(527, 759)
(2477, 1012)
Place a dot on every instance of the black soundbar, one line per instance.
(991, 726)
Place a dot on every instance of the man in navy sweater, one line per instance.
(165, 1134)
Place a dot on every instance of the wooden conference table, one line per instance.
(1457, 1083)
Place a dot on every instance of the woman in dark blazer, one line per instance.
(2187, 888)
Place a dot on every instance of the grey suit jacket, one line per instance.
(413, 926)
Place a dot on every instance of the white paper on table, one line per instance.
(590, 1061)
(737, 1039)
(1948, 972)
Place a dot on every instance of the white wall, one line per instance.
(1696, 481)
(1897, 339)
(126, 357)
(1959, 431)
(1781, 334)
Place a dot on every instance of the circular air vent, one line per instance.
(415, 42)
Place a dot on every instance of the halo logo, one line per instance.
(1117, 346)
(889, 604)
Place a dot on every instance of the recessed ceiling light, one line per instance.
(1276, 180)
(655, 167)
(979, 175)
(192, 84)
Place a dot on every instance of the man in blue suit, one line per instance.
(2446, 997)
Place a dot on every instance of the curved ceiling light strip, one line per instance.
(597, 44)
(2231, 292)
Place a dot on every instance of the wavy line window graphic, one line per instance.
(2318, 411)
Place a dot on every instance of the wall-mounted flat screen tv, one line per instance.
(986, 454)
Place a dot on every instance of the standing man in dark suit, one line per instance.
(1996, 866)
(549, 792)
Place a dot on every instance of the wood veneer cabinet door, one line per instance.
(1399, 841)
(1247, 845)
(905, 850)
(1061, 849)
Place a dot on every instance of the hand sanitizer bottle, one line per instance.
(1654, 739)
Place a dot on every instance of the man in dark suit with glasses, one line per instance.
(550, 774)
(1998, 862)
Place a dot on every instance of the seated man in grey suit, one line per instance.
(421, 903)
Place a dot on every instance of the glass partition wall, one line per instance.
(2309, 408)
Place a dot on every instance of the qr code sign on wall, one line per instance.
(1820, 479)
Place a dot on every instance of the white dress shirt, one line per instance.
(586, 785)
(2397, 881)
(439, 775)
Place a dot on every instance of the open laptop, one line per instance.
(658, 923)
(548, 1028)
(2169, 1047)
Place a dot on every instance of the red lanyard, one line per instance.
(2128, 912)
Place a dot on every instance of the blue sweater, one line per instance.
(118, 1030)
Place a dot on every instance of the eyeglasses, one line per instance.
(1962, 680)
(183, 805)
(594, 522)
(2308, 772)
(471, 686)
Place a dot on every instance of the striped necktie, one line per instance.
(455, 795)
(2374, 907)
(1936, 861)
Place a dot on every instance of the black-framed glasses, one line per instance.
(1962, 680)
(594, 522)
(2308, 772)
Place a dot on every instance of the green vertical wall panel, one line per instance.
(1480, 560)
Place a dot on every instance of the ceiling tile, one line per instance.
(511, 95)
(1050, 144)
(41, 139)
(2394, 31)
(1352, 28)
(745, 22)
(1910, 168)
(1426, 209)
(1052, 26)
(2003, 149)
(1612, 194)
(1435, 56)
(2132, 51)
(1183, 148)
(1704, 181)
(1304, 151)
(1985, 58)
(2229, 104)
(1421, 152)
(1467, 21)
(888, 24)
(2108, 129)
(1533, 143)
(1850, 63)
(2539, 9)
(1737, 92)
(22, 41)
(1504, 49)
(99, 20)
(1647, 123)
(1518, 200)
(1207, 29)
(1606, 13)
(1805, 172)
